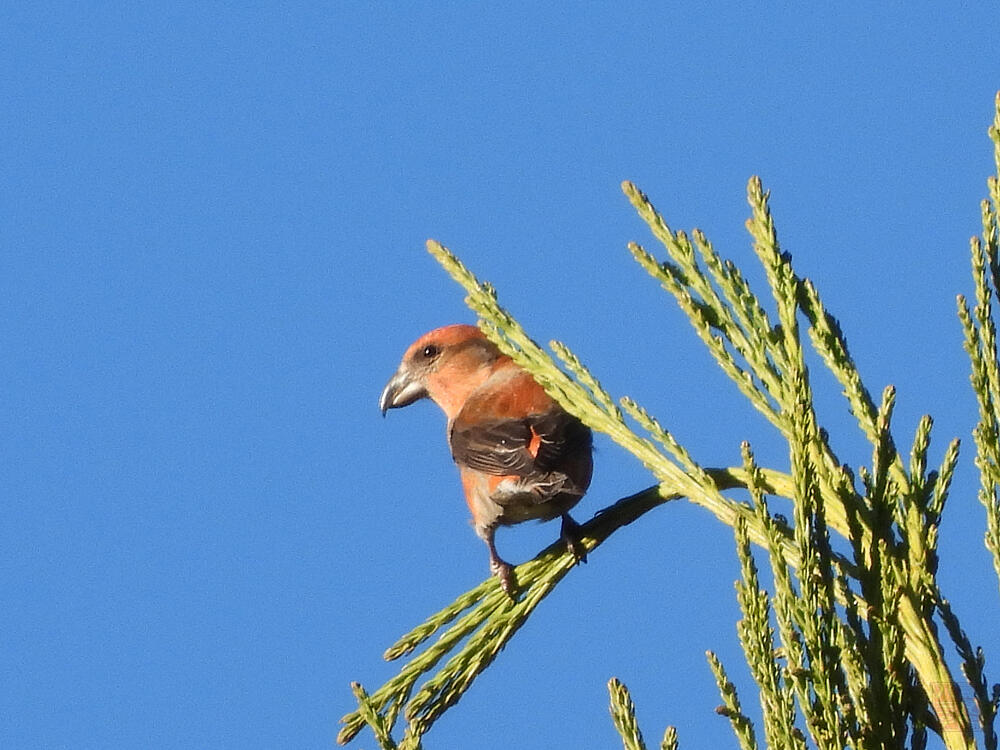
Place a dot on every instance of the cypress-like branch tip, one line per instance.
(391, 654)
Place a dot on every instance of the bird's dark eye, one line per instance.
(430, 351)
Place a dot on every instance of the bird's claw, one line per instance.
(504, 571)
(570, 534)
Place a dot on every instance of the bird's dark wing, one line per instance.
(536, 444)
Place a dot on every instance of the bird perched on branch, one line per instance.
(520, 455)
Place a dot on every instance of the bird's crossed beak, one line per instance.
(401, 390)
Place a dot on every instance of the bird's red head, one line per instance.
(445, 365)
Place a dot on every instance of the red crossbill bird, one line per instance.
(520, 455)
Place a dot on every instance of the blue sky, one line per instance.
(212, 231)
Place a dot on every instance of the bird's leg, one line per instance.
(499, 567)
(570, 534)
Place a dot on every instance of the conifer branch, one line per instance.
(847, 646)
(731, 708)
(981, 346)
(824, 492)
(487, 618)
(623, 715)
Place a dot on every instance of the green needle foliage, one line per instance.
(847, 650)
(981, 344)
(623, 716)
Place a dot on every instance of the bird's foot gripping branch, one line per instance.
(471, 632)
(856, 658)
